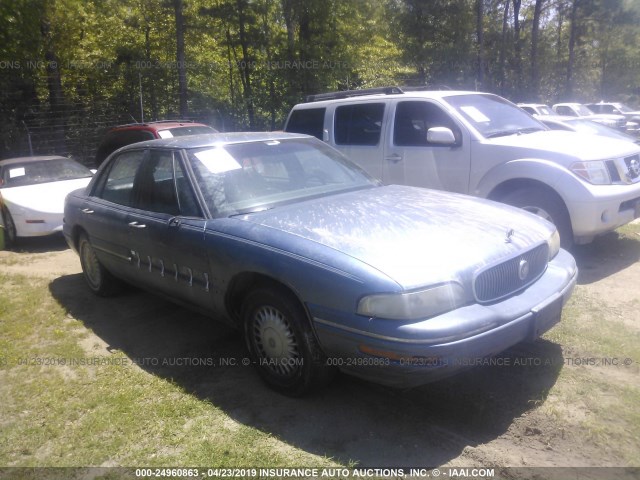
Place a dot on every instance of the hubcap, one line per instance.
(275, 341)
(90, 265)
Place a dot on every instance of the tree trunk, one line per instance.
(517, 44)
(535, 29)
(54, 86)
(480, 40)
(503, 47)
(572, 55)
(180, 58)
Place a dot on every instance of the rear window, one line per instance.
(309, 121)
(359, 124)
(185, 130)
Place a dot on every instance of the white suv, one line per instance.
(483, 145)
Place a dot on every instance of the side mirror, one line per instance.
(441, 136)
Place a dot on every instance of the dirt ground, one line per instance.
(487, 417)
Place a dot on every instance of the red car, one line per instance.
(138, 132)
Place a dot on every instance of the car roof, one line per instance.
(437, 94)
(214, 140)
(533, 105)
(159, 125)
(36, 158)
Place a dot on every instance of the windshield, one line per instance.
(584, 111)
(544, 110)
(42, 171)
(247, 177)
(624, 108)
(493, 116)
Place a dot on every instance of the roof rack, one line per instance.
(354, 93)
(153, 122)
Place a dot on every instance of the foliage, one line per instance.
(71, 68)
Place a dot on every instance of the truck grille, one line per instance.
(506, 278)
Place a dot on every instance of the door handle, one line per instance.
(395, 158)
(174, 222)
(137, 225)
(87, 210)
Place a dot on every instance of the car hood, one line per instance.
(43, 197)
(414, 236)
(581, 146)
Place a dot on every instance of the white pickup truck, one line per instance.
(482, 145)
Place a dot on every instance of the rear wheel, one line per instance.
(281, 343)
(10, 235)
(545, 204)
(99, 280)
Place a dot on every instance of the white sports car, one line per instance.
(32, 193)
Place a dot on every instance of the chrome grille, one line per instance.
(498, 281)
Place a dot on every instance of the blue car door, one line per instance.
(105, 212)
(166, 231)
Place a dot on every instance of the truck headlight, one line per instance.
(413, 305)
(593, 172)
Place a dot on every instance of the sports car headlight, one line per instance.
(554, 244)
(593, 172)
(413, 305)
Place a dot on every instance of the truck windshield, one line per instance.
(493, 116)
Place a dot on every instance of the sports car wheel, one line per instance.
(9, 228)
(99, 280)
(281, 343)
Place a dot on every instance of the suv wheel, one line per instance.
(547, 205)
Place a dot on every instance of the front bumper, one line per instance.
(599, 209)
(36, 224)
(405, 355)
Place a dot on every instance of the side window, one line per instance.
(162, 187)
(309, 121)
(186, 198)
(118, 185)
(563, 110)
(413, 119)
(358, 124)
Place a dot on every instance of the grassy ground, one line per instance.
(56, 413)
(62, 405)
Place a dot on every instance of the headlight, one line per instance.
(593, 172)
(554, 244)
(413, 305)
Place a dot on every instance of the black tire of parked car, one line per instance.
(10, 235)
(98, 278)
(547, 205)
(281, 343)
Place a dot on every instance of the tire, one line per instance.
(281, 343)
(545, 204)
(99, 280)
(10, 234)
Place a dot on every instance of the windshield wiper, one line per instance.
(518, 131)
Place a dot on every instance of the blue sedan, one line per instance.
(320, 266)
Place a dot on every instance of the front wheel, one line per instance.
(545, 204)
(281, 343)
(10, 234)
(98, 278)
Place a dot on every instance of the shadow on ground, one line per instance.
(605, 256)
(48, 243)
(350, 420)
